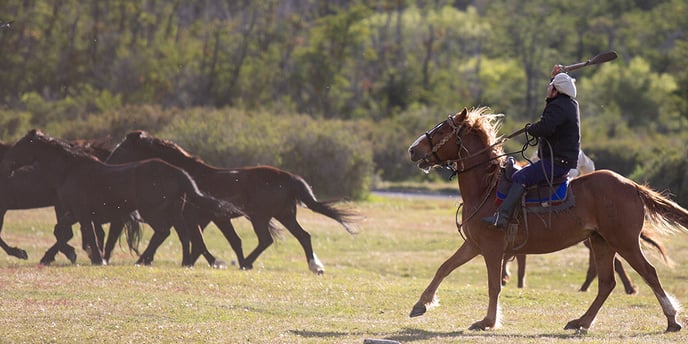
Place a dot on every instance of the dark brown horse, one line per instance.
(28, 188)
(263, 193)
(91, 192)
(609, 209)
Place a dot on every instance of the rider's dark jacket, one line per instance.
(559, 126)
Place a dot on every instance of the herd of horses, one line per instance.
(155, 181)
(152, 180)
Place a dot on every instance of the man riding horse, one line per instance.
(558, 131)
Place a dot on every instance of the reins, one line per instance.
(447, 163)
(493, 183)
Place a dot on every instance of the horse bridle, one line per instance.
(456, 130)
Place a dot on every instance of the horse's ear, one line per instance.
(136, 135)
(34, 133)
(462, 115)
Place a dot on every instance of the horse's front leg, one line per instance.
(604, 262)
(464, 254)
(493, 261)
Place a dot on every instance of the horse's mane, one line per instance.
(70, 149)
(162, 145)
(487, 125)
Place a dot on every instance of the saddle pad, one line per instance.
(535, 195)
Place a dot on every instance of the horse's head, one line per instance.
(22, 153)
(132, 148)
(140, 145)
(467, 138)
(4, 147)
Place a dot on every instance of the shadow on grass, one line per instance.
(413, 334)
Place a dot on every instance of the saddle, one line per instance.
(541, 195)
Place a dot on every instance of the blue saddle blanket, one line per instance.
(539, 194)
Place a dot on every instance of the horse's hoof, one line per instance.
(581, 331)
(576, 325)
(98, 262)
(218, 264)
(480, 326)
(418, 310)
(143, 262)
(19, 253)
(247, 267)
(632, 290)
(674, 327)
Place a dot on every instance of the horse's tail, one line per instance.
(664, 215)
(304, 194)
(132, 230)
(216, 206)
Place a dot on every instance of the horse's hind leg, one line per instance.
(116, 228)
(63, 233)
(506, 275)
(198, 246)
(160, 233)
(12, 251)
(521, 263)
(592, 272)
(304, 239)
(227, 229)
(604, 262)
(464, 254)
(629, 287)
(262, 228)
(93, 234)
(648, 272)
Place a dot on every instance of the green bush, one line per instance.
(327, 154)
(13, 124)
(331, 157)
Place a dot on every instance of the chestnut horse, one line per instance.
(262, 192)
(610, 210)
(91, 192)
(28, 188)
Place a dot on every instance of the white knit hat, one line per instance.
(565, 84)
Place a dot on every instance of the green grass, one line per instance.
(371, 282)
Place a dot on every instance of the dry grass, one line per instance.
(372, 280)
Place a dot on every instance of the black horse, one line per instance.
(262, 192)
(28, 188)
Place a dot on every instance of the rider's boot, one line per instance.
(506, 209)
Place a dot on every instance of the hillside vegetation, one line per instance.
(336, 90)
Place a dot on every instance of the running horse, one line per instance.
(92, 193)
(262, 192)
(28, 188)
(610, 210)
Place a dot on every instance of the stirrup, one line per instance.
(497, 221)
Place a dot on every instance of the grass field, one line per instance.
(371, 282)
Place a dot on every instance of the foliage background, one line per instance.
(336, 90)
